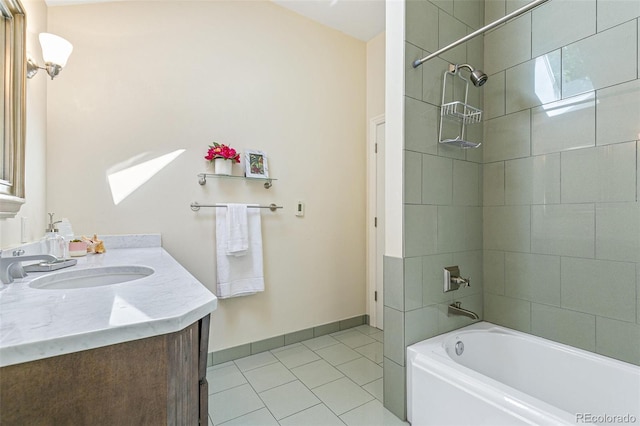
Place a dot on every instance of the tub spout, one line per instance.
(456, 309)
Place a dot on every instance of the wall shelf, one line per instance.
(461, 111)
(203, 178)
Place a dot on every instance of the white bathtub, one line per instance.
(504, 377)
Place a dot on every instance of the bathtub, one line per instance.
(484, 374)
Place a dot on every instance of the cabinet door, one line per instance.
(159, 380)
(123, 384)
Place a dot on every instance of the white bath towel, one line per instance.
(239, 275)
(237, 230)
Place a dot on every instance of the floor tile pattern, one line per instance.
(334, 379)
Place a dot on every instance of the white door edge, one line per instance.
(375, 235)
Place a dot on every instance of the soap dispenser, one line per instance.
(53, 243)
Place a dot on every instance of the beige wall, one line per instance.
(375, 76)
(35, 164)
(146, 79)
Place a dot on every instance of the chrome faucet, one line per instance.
(11, 267)
(456, 309)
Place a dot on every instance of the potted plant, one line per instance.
(77, 248)
(222, 156)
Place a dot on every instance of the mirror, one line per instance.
(13, 108)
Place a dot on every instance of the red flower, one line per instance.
(218, 150)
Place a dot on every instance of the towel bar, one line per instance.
(196, 206)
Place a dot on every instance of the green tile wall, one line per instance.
(545, 216)
(442, 195)
(560, 188)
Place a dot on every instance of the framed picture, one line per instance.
(255, 164)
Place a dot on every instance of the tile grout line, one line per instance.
(308, 408)
(226, 389)
(230, 420)
(264, 404)
(330, 381)
(355, 408)
(348, 378)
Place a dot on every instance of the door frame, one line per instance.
(374, 282)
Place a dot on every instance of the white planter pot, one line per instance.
(222, 166)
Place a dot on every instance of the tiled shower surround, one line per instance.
(561, 215)
(544, 217)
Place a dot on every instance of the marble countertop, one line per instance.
(39, 323)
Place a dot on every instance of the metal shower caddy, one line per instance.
(458, 112)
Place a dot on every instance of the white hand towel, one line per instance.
(237, 230)
(239, 275)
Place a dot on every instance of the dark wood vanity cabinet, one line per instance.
(158, 380)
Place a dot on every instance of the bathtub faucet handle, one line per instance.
(462, 282)
(453, 280)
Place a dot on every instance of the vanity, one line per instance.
(103, 351)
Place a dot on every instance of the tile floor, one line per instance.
(334, 379)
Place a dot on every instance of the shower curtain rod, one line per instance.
(484, 29)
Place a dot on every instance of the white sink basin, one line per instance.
(90, 277)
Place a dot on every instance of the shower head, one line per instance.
(478, 78)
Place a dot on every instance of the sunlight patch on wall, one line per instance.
(547, 87)
(124, 182)
(548, 90)
(572, 104)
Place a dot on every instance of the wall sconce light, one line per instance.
(55, 52)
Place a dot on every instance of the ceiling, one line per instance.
(361, 19)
